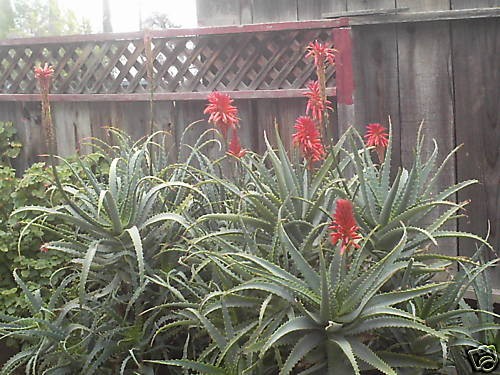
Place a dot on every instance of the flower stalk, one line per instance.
(344, 227)
(322, 57)
(44, 77)
(377, 136)
(151, 85)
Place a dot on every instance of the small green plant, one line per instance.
(10, 147)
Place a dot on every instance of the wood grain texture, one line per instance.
(218, 12)
(468, 4)
(100, 118)
(28, 123)
(72, 124)
(274, 11)
(331, 6)
(246, 12)
(370, 4)
(476, 62)
(422, 5)
(248, 127)
(308, 10)
(265, 116)
(164, 120)
(426, 93)
(187, 113)
(376, 73)
(282, 112)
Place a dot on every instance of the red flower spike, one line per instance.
(44, 75)
(222, 113)
(344, 227)
(235, 146)
(377, 136)
(308, 139)
(321, 53)
(315, 104)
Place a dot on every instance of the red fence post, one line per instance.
(342, 38)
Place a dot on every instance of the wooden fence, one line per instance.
(103, 80)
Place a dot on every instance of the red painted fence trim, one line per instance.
(142, 97)
(169, 33)
(344, 78)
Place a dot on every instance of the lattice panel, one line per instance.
(229, 62)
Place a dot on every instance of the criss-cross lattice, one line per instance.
(227, 62)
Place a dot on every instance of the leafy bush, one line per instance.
(15, 192)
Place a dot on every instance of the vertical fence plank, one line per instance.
(376, 95)
(248, 130)
(426, 93)
(476, 59)
(218, 12)
(288, 111)
(28, 123)
(333, 6)
(266, 114)
(281, 111)
(468, 4)
(274, 11)
(133, 118)
(246, 15)
(164, 120)
(422, 5)
(370, 4)
(72, 124)
(308, 10)
(186, 113)
(101, 118)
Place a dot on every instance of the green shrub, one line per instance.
(15, 192)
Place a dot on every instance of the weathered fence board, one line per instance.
(421, 5)
(308, 10)
(476, 62)
(273, 11)
(27, 120)
(377, 79)
(426, 94)
(468, 4)
(221, 12)
(332, 6)
(353, 5)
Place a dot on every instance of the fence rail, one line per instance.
(255, 61)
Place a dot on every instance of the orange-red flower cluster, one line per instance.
(223, 113)
(235, 146)
(308, 139)
(44, 76)
(316, 104)
(321, 53)
(344, 227)
(376, 135)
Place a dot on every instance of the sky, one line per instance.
(125, 13)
